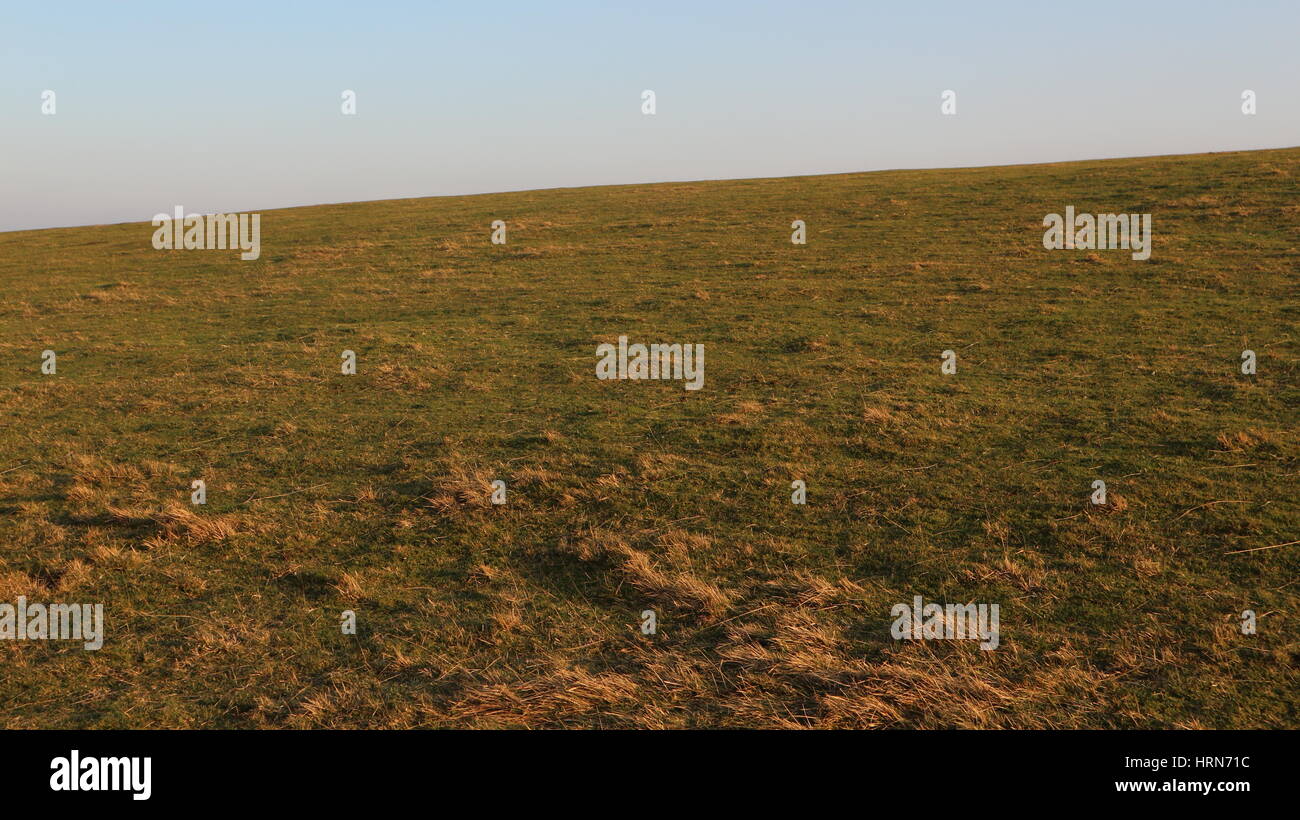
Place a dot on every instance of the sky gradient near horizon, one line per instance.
(236, 106)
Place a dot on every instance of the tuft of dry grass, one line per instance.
(175, 522)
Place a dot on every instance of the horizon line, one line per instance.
(301, 206)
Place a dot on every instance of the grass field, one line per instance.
(476, 362)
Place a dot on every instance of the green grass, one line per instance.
(475, 362)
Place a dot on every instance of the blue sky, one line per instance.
(234, 106)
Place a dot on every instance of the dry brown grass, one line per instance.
(475, 363)
(175, 522)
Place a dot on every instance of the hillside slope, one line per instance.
(476, 362)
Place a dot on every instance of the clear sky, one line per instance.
(235, 106)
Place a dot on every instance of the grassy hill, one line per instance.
(476, 362)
